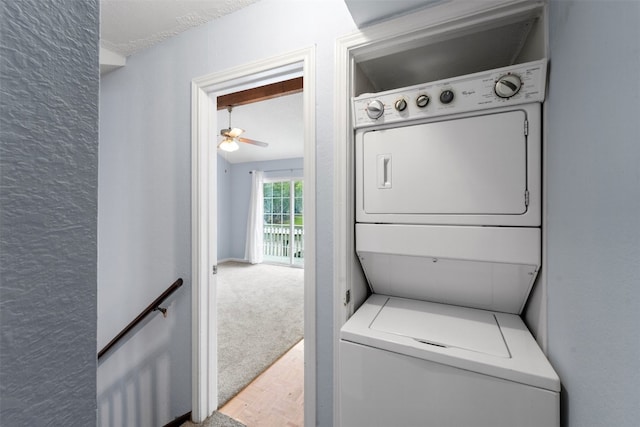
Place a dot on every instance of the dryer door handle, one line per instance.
(384, 171)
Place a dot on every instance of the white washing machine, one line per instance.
(448, 212)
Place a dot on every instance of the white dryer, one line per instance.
(448, 212)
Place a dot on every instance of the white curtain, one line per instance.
(253, 247)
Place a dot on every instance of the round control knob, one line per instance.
(401, 104)
(375, 109)
(508, 85)
(446, 96)
(422, 101)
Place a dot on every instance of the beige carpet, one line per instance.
(260, 317)
(216, 420)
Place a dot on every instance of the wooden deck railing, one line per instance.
(278, 241)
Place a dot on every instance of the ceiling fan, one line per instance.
(232, 136)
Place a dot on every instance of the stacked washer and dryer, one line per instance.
(448, 216)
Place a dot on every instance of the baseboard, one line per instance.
(220, 261)
(180, 420)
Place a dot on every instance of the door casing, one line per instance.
(203, 220)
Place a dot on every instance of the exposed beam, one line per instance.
(261, 93)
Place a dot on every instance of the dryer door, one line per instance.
(460, 167)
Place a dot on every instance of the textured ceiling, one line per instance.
(128, 26)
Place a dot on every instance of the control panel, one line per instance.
(516, 84)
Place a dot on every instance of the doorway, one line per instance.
(260, 212)
(204, 207)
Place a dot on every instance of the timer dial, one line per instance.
(508, 85)
(375, 109)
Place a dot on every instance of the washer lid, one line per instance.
(381, 320)
(442, 326)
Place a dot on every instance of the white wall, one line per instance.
(593, 166)
(225, 215)
(144, 199)
(144, 228)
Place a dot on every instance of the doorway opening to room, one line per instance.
(221, 202)
(260, 297)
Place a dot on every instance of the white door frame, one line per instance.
(203, 222)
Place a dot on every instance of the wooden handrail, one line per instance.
(155, 305)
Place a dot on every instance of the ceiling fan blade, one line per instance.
(254, 142)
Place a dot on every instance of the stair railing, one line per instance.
(154, 306)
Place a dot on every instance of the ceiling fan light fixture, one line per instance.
(228, 145)
(231, 137)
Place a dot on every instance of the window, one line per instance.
(283, 221)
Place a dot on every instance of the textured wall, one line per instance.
(594, 210)
(48, 192)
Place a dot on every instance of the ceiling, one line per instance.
(128, 26)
